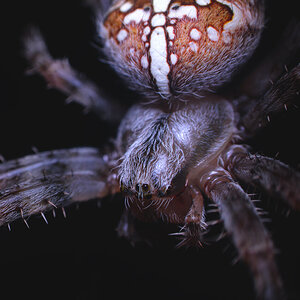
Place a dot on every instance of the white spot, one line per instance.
(213, 34)
(158, 20)
(137, 16)
(126, 7)
(159, 65)
(160, 5)
(146, 32)
(193, 46)
(147, 45)
(145, 62)
(238, 18)
(174, 58)
(170, 30)
(173, 21)
(170, 43)
(185, 10)
(202, 2)
(122, 35)
(195, 34)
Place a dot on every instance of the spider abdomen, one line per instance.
(171, 47)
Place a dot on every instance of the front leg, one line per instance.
(251, 239)
(196, 215)
(40, 182)
(191, 233)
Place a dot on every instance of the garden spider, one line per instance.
(21, 212)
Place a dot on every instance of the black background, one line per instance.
(81, 257)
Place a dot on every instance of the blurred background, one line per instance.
(81, 257)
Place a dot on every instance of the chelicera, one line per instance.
(182, 144)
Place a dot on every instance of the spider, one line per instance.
(182, 145)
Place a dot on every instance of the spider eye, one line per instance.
(183, 46)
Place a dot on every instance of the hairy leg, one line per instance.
(40, 182)
(196, 215)
(250, 237)
(191, 234)
(59, 74)
(270, 175)
(279, 96)
(285, 55)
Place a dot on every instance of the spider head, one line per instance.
(168, 48)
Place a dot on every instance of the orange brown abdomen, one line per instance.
(179, 47)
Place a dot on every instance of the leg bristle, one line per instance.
(51, 203)
(44, 217)
(22, 216)
(64, 212)
(27, 225)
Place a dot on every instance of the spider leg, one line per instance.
(59, 75)
(282, 93)
(191, 234)
(270, 175)
(284, 55)
(248, 233)
(37, 183)
(196, 214)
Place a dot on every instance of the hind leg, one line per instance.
(59, 74)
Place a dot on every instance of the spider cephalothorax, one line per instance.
(167, 152)
(178, 47)
(172, 157)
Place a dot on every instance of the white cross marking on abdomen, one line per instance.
(159, 66)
